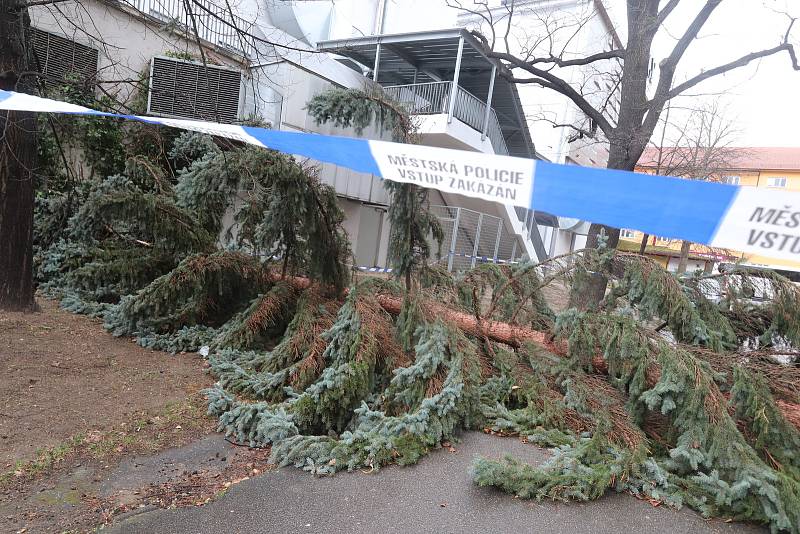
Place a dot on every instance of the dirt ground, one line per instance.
(64, 375)
(557, 296)
(93, 427)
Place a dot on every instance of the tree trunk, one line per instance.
(594, 234)
(684, 259)
(629, 138)
(643, 244)
(621, 157)
(512, 335)
(588, 290)
(18, 159)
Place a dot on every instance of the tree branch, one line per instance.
(741, 62)
(33, 3)
(551, 81)
(666, 10)
(690, 35)
(611, 54)
(669, 65)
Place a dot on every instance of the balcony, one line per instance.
(214, 23)
(433, 98)
(422, 68)
(446, 78)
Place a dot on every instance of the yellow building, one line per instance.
(772, 167)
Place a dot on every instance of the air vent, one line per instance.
(192, 90)
(61, 59)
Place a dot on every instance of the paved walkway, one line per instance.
(435, 496)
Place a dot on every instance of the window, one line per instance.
(60, 58)
(191, 90)
(662, 240)
(627, 233)
(732, 180)
(776, 182)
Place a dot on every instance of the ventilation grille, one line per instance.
(192, 90)
(61, 59)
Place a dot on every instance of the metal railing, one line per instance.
(527, 218)
(434, 98)
(495, 134)
(472, 237)
(422, 98)
(214, 23)
(471, 109)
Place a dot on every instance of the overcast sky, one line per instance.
(762, 99)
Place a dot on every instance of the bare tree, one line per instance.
(542, 60)
(700, 147)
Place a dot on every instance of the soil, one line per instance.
(556, 294)
(93, 426)
(64, 375)
(84, 492)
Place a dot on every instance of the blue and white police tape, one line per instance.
(486, 259)
(374, 269)
(747, 219)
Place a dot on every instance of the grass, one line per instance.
(146, 433)
(45, 459)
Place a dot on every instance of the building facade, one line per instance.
(256, 60)
(567, 29)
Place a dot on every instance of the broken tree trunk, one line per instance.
(516, 336)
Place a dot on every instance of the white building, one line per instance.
(261, 60)
(564, 28)
(567, 29)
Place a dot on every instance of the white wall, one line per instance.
(373, 232)
(126, 44)
(560, 241)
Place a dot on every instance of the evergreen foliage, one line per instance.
(412, 225)
(513, 293)
(122, 232)
(203, 287)
(657, 293)
(769, 433)
(670, 389)
(353, 108)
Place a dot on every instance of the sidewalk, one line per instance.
(435, 496)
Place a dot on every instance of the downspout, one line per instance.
(380, 16)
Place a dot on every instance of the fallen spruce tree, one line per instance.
(679, 390)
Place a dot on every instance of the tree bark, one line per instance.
(629, 137)
(621, 157)
(512, 335)
(18, 159)
(684, 258)
(643, 244)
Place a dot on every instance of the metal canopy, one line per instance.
(429, 56)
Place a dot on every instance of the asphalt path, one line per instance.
(435, 496)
